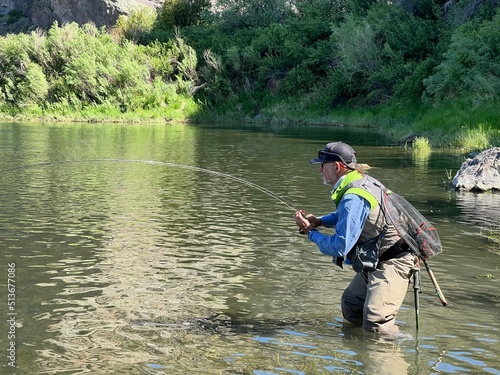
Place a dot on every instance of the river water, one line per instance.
(172, 249)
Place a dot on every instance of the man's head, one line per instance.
(336, 159)
(336, 151)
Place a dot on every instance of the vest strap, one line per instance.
(364, 194)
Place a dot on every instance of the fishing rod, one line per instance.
(416, 268)
(175, 165)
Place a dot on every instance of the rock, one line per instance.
(481, 173)
(43, 13)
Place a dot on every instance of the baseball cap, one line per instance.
(336, 151)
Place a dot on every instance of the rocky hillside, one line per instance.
(22, 15)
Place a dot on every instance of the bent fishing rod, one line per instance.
(216, 173)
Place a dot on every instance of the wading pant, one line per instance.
(374, 298)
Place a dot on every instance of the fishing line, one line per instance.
(175, 165)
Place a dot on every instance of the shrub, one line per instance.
(84, 68)
(34, 87)
(181, 13)
(136, 25)
(298, 80)
(475, 138)
(14, 60)
(471, 67)
(356, 47)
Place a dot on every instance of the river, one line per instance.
(172, 249)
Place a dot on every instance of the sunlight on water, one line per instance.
(129, 264)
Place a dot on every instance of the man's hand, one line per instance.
(314, 221)
(306, 222)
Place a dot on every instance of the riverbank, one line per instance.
(455, 126)
(223, 73)
(452, 127)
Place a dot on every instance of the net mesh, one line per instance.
(420, 235)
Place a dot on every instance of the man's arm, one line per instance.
(351, 213)
(329, 220)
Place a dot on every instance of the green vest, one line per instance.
(370, 189)
(355, 183)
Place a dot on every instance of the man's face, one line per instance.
(329, 171)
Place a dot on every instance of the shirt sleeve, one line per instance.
(329, 220)
(351, 215)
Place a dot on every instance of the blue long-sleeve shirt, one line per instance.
(348, 220)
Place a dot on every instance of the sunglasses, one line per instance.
(331, 155)
(326, 162)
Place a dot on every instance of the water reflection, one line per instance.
(421, 159)
(480, 209)
(340, 349)
(139, 267)
(152, 267)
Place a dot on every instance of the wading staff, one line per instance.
(416, 289)
(434, 282)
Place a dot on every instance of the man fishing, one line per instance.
(363, 238)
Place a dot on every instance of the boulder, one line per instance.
(481, 173)
(43, 13)
(101, 12)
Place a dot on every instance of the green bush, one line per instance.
(243, 14)
(298, 80)
(249, 57)
(82, 68)
(137, 25)
(181, 13)
(471, 67)
(34, 87)
(15, 58)
(217, 86)
(380, 55)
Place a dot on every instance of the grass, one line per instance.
(449, 177)
(444, 127)
(422, 145)
(179, 111)
(476, 138)
(456, 126)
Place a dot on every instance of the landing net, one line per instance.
(420, 235)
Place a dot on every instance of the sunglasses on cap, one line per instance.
(330, 157)
(325, 162)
